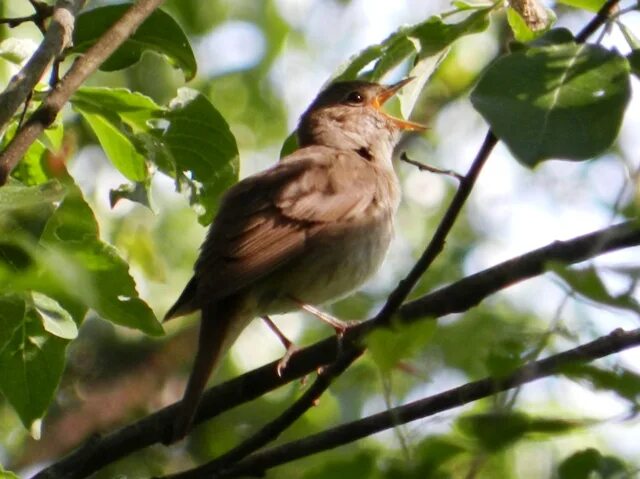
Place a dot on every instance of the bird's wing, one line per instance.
(267, 219)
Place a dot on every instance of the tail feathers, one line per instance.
(185, 303)
(215, 327)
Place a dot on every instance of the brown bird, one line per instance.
(308, 230)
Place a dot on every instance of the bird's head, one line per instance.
(348, 115)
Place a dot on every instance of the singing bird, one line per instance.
(306, 231)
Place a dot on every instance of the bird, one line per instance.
(308, 230)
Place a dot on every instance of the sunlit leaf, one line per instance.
(559, 101)
(118, 147)
(590, 5)
(159, 33)
(55, 319)
(424, 39)
(202, 149)
(102, 280)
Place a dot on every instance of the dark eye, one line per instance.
(355, 97)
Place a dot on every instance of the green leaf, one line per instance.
(590, 463)
(559, 101)
(520, 29)
(132, 108)
(424, 39)
(159, 33)
(587, 282)
(634, 61)
(203, 151)
(55, 319)
(590, 5)
(94, 273)
(496, 431)
(117, 146)
(623, 382)
(31, 359)
(389, 346)
(4, 474)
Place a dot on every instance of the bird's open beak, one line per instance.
(387, 93)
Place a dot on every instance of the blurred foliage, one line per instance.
(102, 219)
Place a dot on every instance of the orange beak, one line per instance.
(387, 93)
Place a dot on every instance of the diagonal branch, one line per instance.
(77, 74)
(57, 38)
(258, 463)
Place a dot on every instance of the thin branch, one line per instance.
(615, 342)
(398, 295)
(430, 169)
(457, 297)
(56, 39)
(77, 74)
(596, 22)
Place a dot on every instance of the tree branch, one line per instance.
(57, 38)
(258, 463)
(84, 66)
(457, 297)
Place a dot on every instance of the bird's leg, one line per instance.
(337, 324)
(286, 342)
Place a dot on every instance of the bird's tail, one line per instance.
(219, 327)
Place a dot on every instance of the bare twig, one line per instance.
(457, 297)
(56, 38)
(615, 342)
(77, 74)
(430, 169)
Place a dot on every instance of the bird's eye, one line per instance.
(355, 97)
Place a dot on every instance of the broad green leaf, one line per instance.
(462, 6)
(590, 5)
(117, 146)
(203, 150)
(389, 346)
(587, 282)
(623, 382)
(496, 431)
(560, 101)
(55, 319)
(132, 108)
(159, 33)
(590, 463)
(424, 39)
(94, 273)
(31, 359)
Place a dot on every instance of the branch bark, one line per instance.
(258, 463)
(77, 74)
(459, 296)
(57, 38)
